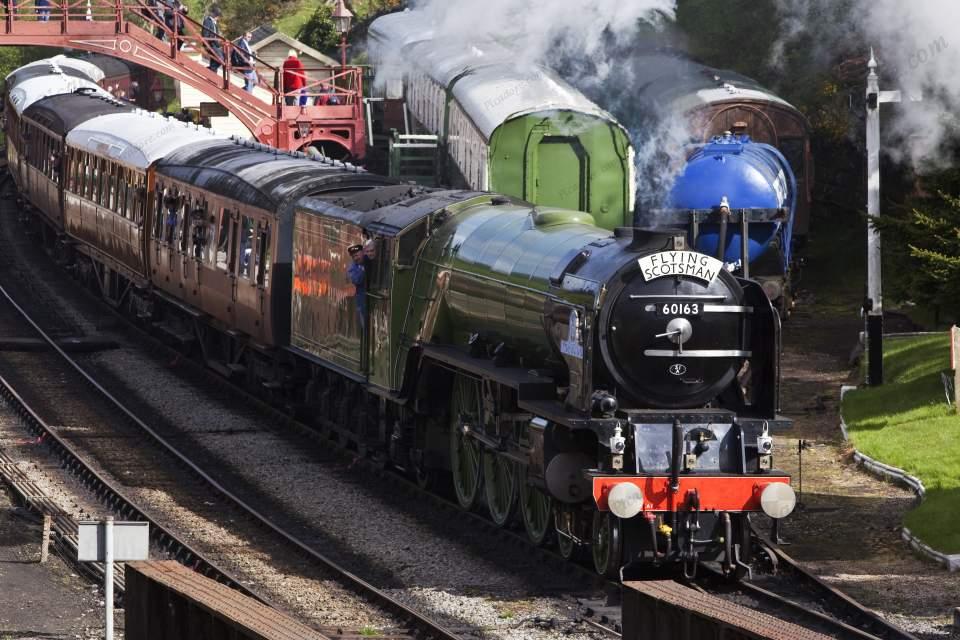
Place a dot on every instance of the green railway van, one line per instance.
(519, 130)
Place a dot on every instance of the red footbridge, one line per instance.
(329, 110)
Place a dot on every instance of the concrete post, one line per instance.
(874, 306)
(108, 575)
(45, 542)
(955, 363)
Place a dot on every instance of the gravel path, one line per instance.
(848, 527)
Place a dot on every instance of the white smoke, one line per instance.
(661, 151)
(541, 31)
(918, 53)
(588, 39)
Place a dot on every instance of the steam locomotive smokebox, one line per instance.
(667, 610)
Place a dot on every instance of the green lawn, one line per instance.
(907, 423)
(291, 23)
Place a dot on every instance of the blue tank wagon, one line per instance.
(732, 185)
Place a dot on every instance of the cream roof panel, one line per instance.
(136, 139)
(34, 89)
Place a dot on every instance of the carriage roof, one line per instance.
(490, 85)
(32, 88)
(62, 113)
(136, 138)
(673, 82)
(259, 175)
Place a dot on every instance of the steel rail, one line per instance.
(846, 606)
(432, 628)
(839, 628)
(116, 500)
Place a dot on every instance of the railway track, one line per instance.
(48, 380)
(852, 621)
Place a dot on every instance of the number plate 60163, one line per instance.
(679, 308)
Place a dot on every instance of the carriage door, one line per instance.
(555, 171)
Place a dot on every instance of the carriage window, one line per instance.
(171, 206)
(51, 159)
(158, 212)
(138, 198)
(111, 196)
(210, 245)
(71, 171)
(263, 257)
(223, 240)
(183, 228)
(198, 230)
(122, 188)
(127, 193)
(87, 177)
(94, 178)
(106, 182)
(44, 154)
(97, 180)
(246, 246)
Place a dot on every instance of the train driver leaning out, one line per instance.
(357, 272)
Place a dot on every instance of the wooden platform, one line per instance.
(165, 600)
(666, 610)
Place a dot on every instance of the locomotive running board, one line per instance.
(529, 386)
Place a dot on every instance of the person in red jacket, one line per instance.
(294, 78)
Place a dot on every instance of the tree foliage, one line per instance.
(319, 31)
(366, 8)
(922, 248)
(240, 16)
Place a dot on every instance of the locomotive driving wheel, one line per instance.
(567, 520)
(536, 507)
(606, 544)
(500, 487)
(466, 453)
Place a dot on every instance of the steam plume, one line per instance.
(919, 53)
(543, 30)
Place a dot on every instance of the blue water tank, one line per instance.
(746, 175)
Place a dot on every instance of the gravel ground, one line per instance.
(47, 601)
(859, 515)
(450, 570)
(187, 508)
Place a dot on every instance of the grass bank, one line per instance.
(907, 423)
